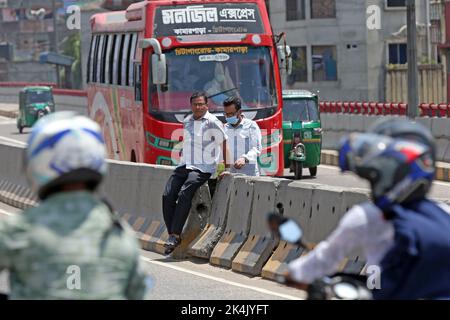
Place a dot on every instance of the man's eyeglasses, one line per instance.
(200, 104)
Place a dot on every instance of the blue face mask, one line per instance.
(232, 120)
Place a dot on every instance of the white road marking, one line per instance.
(21, 143)
(329, 167)
(6, 212)
(281, 295)
(5, 120)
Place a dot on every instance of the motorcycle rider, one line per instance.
(401, 230)
(72, 246)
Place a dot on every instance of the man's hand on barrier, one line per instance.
(223, 174)
(239, 163)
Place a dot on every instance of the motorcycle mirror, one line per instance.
(290, 231)
(345, 291)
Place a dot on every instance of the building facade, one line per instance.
(344, 48)
(28, 27)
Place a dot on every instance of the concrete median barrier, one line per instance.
(14, 188)
(238, 223)
(326, 210)
(259, 245)
(295, 200)
(204, 244)
(356, 123)
(300, 204)
(442, 146)
(66, 102)
(136, 190)
(440, 127)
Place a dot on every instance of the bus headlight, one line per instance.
(166, 162)
(164, 143)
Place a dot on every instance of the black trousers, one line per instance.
(177, 197)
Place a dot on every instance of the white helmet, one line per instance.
(65, 147)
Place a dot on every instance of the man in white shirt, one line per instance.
(203, 142)
(244, 139)
(401, 231)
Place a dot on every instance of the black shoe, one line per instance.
(171, 244)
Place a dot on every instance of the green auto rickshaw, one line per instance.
(302, 131)
(34, 103)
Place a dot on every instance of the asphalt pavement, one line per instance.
(193, 279)
(326, 175)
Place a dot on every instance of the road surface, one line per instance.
(193, 279)
(326, 175)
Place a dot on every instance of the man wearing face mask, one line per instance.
(244, 139)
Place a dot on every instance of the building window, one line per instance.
(324, 62)
(395, 3)
(299, 65)
(397, 53)
(295, 10)
(322, 9)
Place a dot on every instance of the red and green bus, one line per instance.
(146, 61)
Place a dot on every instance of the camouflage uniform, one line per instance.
(70, 248)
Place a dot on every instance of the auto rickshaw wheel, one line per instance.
(19, 126)
(298, 169)
(313, 171)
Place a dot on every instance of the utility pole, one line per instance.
(55, 41)
(428, 22)
(413, 96)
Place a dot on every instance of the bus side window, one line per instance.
(111, 59)
(90, 58)
(125, 60)
(94, 60)
(116, 61)
(103, 59)
(137, 82)
(133, 45)
(98, 59)
(108, 59)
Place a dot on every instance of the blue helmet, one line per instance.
(399, 170)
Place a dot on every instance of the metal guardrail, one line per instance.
(380, 108)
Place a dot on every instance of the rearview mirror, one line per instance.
(285, 58)
(289, 60)
(290, 231)
(159, 69)
(159, 66)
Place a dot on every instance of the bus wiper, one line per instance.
(219, 93)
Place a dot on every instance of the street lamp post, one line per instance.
(413, 97)
(55, 40)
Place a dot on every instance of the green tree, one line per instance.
(72, 48)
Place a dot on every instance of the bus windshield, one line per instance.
(219, 71)
(300, 110)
